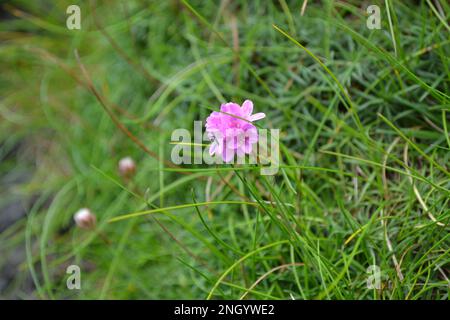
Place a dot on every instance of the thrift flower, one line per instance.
(232, 131)
(85, 219)
(127, 167)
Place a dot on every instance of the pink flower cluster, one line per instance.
(231, 130)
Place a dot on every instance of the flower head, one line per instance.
(231, 130)
(127, 166)
(85, 219)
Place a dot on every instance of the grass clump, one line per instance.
(363, 118)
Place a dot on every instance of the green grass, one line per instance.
(364, 125)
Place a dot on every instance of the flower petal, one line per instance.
(230, 107)
(252, 135)
(257, 116)
(248, 147)
(227, 154)
(247, 107)
(240, 151)
(213, 148)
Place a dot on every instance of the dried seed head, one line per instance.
(85, 219)
(127, 167)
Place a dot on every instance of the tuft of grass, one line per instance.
(364, 175)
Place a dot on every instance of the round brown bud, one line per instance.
(85, 219)
(127, 167)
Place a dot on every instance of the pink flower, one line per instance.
(232, 131)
